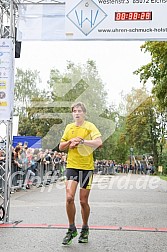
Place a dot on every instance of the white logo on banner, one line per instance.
(86, 15)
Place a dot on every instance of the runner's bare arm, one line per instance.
(65, 145)
(93, 143)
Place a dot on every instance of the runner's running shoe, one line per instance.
(84, 235)
(69, 236)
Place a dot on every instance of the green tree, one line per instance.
(26, 83)
(142, 125)
(156, 70)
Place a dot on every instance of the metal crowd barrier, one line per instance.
(104, 170)
(45, 173)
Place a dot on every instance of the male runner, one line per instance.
(80, 138)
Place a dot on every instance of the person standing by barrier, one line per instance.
(80, 138)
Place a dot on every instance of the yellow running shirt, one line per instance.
(81, 157)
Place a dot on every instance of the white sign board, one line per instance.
(41, 22)
(116, 19)
(6, 78)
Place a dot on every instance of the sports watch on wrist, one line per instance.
(82, 141)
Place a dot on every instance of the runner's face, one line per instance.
(78, 114)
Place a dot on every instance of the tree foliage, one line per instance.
(156, 70)
(142, 126)
(25, 89)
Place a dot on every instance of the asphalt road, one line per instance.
(128, 213)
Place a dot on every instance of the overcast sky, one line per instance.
(115, 60)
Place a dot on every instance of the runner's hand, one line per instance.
(74, 142)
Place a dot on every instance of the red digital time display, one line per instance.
(133, 16)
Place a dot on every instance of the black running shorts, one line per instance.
(84, 177)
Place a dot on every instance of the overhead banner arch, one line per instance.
(116, 19)
(93, 20)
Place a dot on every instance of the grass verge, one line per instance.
(163, 177)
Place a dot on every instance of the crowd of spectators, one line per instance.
(32, 166)
(109, 167)
(36, 163)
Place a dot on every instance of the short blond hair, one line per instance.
(78, 104)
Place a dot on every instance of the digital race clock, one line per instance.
(133, 16)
